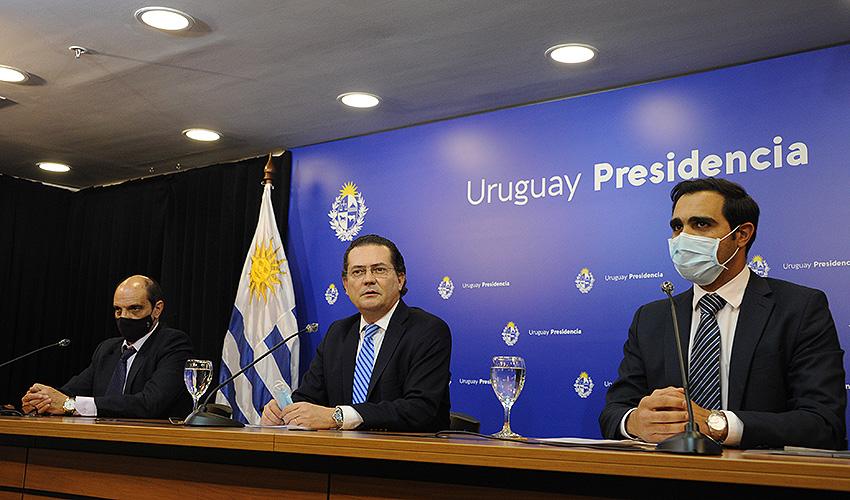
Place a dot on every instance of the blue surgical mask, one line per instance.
(695, 257)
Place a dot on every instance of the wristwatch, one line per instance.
(718, 426)
(337, 416)
(70, 406)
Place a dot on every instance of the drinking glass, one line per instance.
(197, 375)
(507, 375)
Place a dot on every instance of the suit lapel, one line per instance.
(395, 331)
(139, 361)
(756, 308)
(684, 312)
(349, 356)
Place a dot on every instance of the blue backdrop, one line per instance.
(537, 231)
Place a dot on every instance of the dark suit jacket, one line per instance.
(409, 388)
(154, 387)
(786, 374)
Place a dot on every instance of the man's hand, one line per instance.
(272, 414)
(44, 399)
(309, 415)
(660, 415)
(701, 418)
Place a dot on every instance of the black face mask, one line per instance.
(134, 329)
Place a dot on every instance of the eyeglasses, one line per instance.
(378, 271)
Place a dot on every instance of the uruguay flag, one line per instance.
(262, 317)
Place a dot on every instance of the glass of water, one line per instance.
(197, 375)
(507, 375)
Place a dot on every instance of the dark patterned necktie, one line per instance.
(704, 374)
(119, 376)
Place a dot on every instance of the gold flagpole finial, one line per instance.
(268, 171)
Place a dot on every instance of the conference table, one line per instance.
(71, 457)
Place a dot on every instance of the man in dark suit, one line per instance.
(765, 365)
(137, 375)
(384, 368)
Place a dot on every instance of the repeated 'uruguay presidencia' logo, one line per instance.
(446, 288)
(585, 280)
(510, 334)
(759, 266)
(331, 294)
(583, 385)
(348, 212)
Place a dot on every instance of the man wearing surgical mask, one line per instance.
(136, 375)
(764, 363)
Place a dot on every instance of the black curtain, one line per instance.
(62, 253)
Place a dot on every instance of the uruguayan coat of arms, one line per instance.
(446, 288)
(585, 280)
(348, 212)
(759, 266)
(510, 334)
(583, 385)
(331, 294)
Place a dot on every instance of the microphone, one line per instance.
(216, 415)
(61, 343)
(692, 441)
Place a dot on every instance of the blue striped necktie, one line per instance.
(364, 365)
(705, 355)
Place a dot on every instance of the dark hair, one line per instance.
(154, 291)
(374, 239)
(738, 206)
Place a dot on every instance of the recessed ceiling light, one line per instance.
(571, 53)
(359, 99)
(202, 134)
(51, 166)
(12, 75)
(164, 18)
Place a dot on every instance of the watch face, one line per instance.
(716, 422)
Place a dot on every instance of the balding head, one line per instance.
(138, 296)
(152, 290)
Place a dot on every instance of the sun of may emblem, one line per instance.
(348, 212)
(265, 268)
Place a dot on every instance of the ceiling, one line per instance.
(266, 73)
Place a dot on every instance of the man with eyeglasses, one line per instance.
(386, 367)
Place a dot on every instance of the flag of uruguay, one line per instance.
(262, 316)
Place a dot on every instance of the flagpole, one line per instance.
(268, 171)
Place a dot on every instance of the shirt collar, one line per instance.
(137, 345)
(732, 292)
(382, 323)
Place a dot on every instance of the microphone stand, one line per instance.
(692, 441)
(202, 417)
(61, 343)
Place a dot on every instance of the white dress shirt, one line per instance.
(727, 319)
(84, 405)
(351, 419)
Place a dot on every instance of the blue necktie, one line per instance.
(119, 376)
(705, 354)
(364, 365)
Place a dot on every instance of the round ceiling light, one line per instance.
(571, 53)
(52, 166)
(202, 134)
(359, 99)
(164, 18)
(12, 75)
